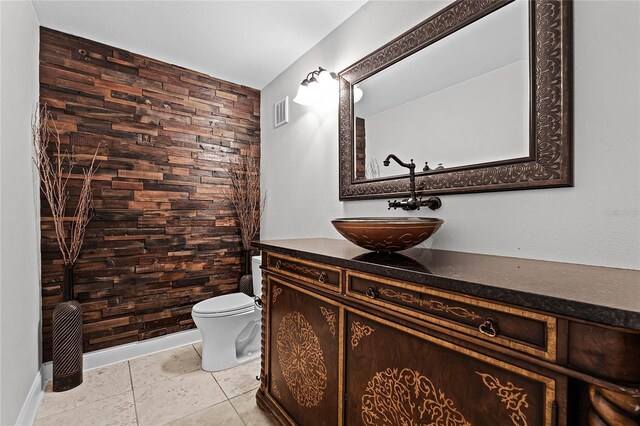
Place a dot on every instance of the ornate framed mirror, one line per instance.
(479, 95)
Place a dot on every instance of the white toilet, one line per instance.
(230, 326)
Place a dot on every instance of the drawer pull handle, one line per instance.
(323, 277)
(278, 264)
(488, 328)
(372, 292)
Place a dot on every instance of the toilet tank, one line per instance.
(256, 273)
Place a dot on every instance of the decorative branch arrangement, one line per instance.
(54, 176)
(244, 196)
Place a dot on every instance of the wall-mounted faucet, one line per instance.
(413, 202)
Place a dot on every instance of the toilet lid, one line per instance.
(227, 303)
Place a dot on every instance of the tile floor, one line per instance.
(167, 388)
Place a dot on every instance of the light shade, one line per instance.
(318, 86)
(357, 93)
(327, 80)
(304, 95)
(308, 92)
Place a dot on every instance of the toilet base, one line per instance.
(213, 367)
(219, 352)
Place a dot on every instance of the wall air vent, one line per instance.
(281, 112)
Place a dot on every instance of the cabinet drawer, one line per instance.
(310, 272)
(529, 332)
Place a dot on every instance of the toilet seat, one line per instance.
(225, 305)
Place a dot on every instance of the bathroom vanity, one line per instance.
(352, 337)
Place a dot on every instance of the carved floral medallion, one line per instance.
(407, 398)
(301, 360)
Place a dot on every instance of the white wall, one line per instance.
(19, 211)
(596, 222)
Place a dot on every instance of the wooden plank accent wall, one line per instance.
(360, 151)
(163, 236)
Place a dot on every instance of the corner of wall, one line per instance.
(29, 410)
(20, 382)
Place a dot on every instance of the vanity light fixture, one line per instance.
(357, 93)
(314, 87)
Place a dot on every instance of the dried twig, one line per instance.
(244, 196)
(54, 177)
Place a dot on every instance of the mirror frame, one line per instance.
(550, 160)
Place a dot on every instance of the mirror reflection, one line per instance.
(447, 109)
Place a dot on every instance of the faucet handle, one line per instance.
(434, 203)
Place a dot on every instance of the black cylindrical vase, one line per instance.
(246, 259)
(246, 282)
(67, 346)
(67, 338)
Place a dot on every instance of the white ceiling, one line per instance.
(246, 42)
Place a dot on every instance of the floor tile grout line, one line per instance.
(238, 414)
(234, 407)
(244, 393)
(236, 410)
(218, 383)
(223, 391)
(133, 391)
(194, 348)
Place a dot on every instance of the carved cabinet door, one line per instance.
(304, 336)
(398, 376)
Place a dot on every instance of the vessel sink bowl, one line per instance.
(387, 234)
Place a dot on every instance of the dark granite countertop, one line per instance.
(604, 295)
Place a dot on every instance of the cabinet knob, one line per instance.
(372, 292)
(488, 328)
(278, 264)
(323, 277)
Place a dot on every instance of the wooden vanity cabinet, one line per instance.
(341, 347)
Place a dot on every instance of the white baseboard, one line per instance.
(30, 407)
(104, 357)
